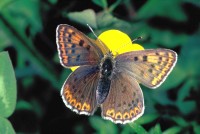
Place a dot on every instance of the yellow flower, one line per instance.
(118, 41)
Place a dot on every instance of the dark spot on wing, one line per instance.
(134, 93)
(165, 63)
(88, 47)
(82, 96)
(73, 45)
(124, 89)
(126, 116)
(150, 70)
(73, 51)
(78, 58)
(137, 100)
(78, 107)
(84, 107)
(81, 42)
(118, 116)
(152, 65)
(135, 58)
(132, 114)
(119, 105)
(144, 58)
(75, 79)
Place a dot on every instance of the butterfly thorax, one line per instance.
(107, 67)
(106, 70)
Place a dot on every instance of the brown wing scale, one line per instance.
(150, 67)
(125, 102)
(79, 90)
(75, 48)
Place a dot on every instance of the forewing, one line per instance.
(149, 67)
(125, 102)
(75, 48)
(79, 90)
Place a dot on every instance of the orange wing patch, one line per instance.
(74, 104)
(123, 117)
(164, 62)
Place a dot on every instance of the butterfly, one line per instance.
(105, 81)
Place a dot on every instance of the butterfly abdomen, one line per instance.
(103, 87)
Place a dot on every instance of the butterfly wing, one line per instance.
(125, 102)
(75, 48)
(79, 90)
(149, 67)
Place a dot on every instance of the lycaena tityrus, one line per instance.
(108, 82)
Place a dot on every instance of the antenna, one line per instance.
(97, 37)
(138, 38)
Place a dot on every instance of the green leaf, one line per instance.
(161, 97)
(184, 90)
(5, 3)
(194, 2)
(104, 19)
(167, 38)
(177, 72)
(84, 17)
(196, 128)
(156, 130)
(186, 107)
(6, 127)
(116, 3)
(5, 40)
(107, 20)
(138, 128)
(96, 123)
(187, 60)
(164, 8)
(101, 3)
(25, 47)
(103, 126)
(8, 87)
(23, 105)
(127, 129)
(189, 55)
(180, 121)
(53, 1)
(25, 13)
(148, 118)
(172, 130)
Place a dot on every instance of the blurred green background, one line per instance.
(27, 32)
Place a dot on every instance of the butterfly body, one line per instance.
(107, 81)
(106, 70)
